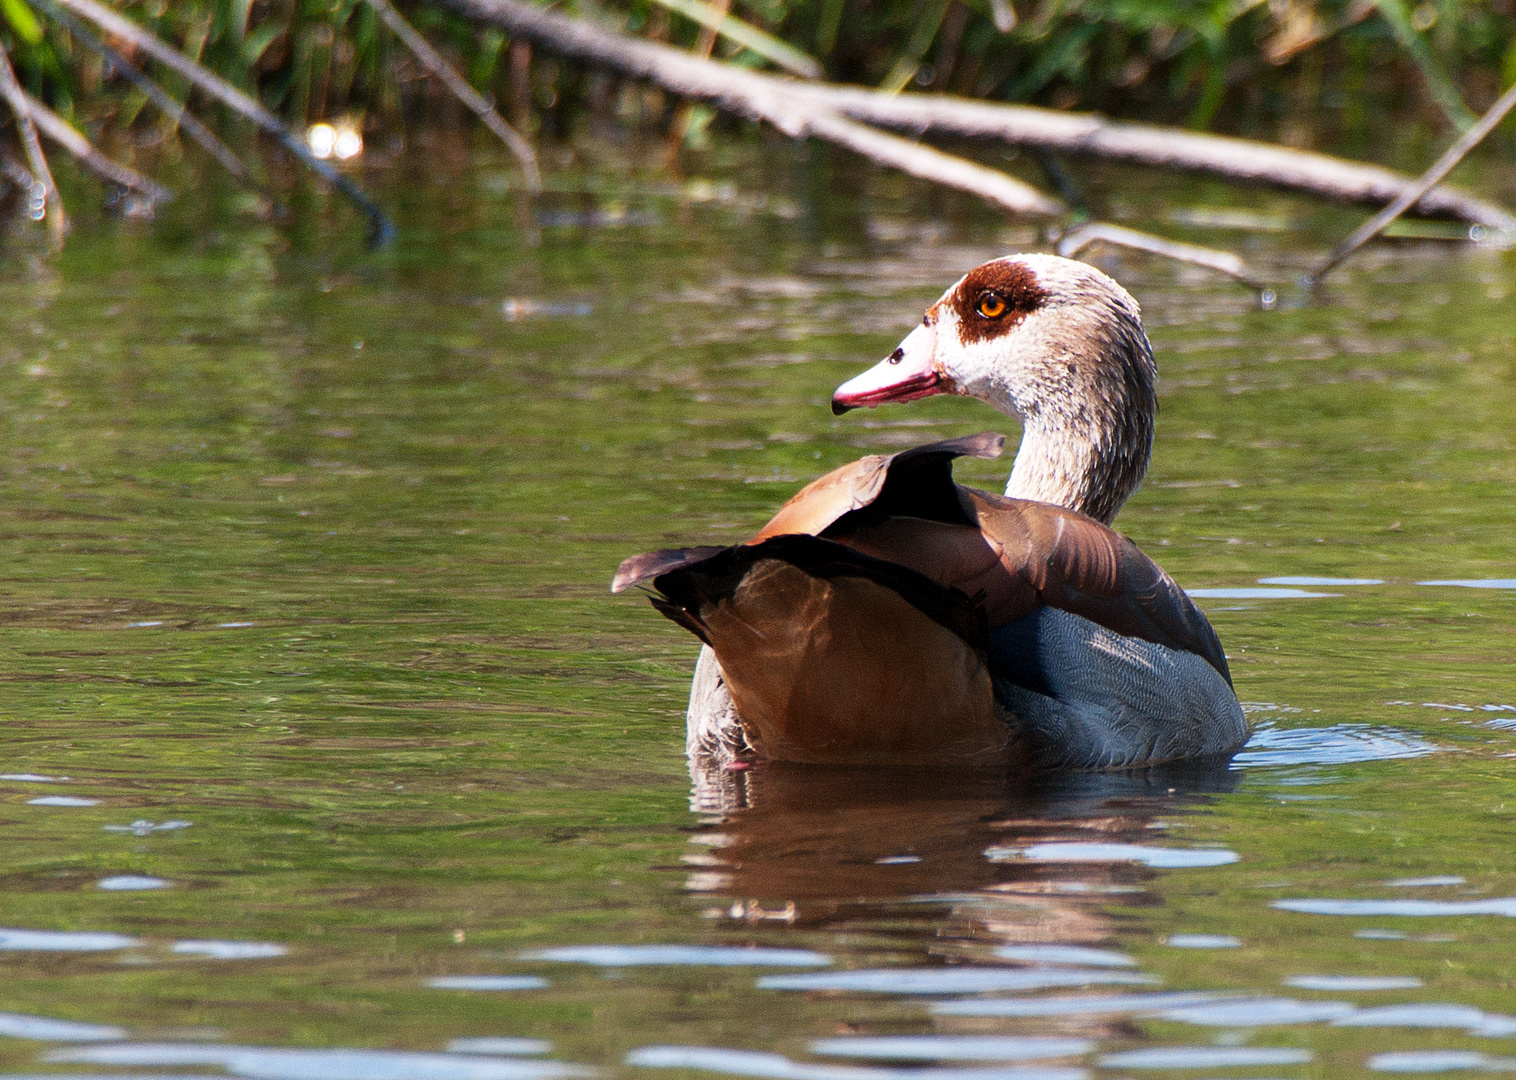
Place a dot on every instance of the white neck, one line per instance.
(1051, 469)
(1091, 465)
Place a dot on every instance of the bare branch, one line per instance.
(65, 135)
(209, 82)
(430, 59)
(1428, 180)
(1100, 233)
(750, 93)
(1147, 144)
(15, 97)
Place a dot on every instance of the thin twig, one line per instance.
(432, 60)
(750, 93)
(381, 230)
(1099, 232)
(65, 135)
(15, 97)
(1428, 180)
(160, 97)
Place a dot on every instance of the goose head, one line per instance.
(1054, 343)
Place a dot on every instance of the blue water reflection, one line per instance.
(692, 955)
(1160, 857)
(487, 982)
(1339, 744)
(1080, 955)
(1259, 1012)
(958, 980)
(778, 1067)
(952, 1047)
(63, 941)
(266, 1063)
(1091, 1005)
(1204, 1057)
(1348, 983)
(1505, 905)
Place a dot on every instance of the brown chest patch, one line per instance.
(994, 298)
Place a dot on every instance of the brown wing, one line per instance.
(917, 482)
(1078, 565)
(1008, 556)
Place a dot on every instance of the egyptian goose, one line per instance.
(887, 616)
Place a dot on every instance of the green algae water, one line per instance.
(326, 754)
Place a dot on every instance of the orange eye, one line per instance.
(990, 305)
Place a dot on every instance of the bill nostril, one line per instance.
(897, 356)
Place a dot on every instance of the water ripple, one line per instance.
(1423, 1061)
(955, 980)
(231, 950)
(1339, 744)
(1259, 1012)
(1205, 1057)
(1434, 1014)
(1162, 857)
(1203, 941)
(1083, 1005)
(265, 1063)
(1348, 983)
(693, 955)
(1065, 954)
(777, 1067)
(952, 1047)
(62, 941)
(497, 1044)
(1504, 905)
(488, 982)
(45, 1028)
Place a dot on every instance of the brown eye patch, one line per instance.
(994, 298)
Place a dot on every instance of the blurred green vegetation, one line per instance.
(1243, 66)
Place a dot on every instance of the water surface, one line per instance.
(328, 754)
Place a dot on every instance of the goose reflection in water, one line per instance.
(948, 855)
